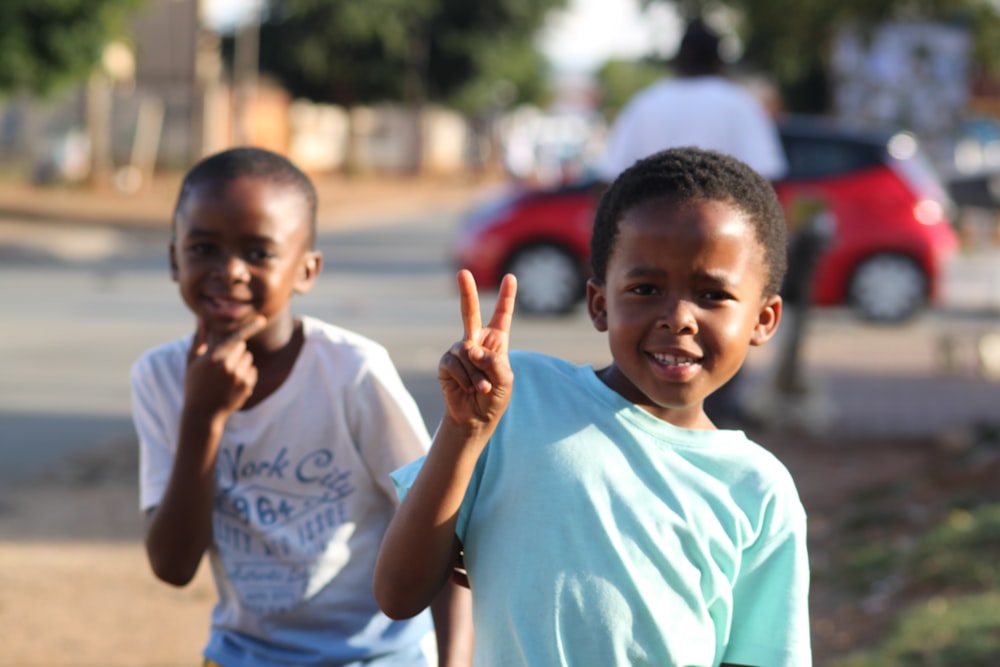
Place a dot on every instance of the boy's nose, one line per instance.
(233, 269)
(678, 316)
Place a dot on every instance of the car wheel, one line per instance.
(888, 288)
(549, 279)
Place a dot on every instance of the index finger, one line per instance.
(199, 342)
(503, 312)
(242, 333)
(472, 321)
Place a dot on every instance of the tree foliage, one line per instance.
(790, 38)
(48, 43)
(620, 79)
(452, 51)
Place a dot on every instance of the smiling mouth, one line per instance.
(225, 307)
(674, 360)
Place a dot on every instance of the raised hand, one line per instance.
(475, 373)
(221, 374)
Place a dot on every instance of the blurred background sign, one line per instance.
(914, 75)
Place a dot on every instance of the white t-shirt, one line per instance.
(597, 534)
(302, 499)
(708, 112)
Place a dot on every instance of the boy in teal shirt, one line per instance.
(599, 514)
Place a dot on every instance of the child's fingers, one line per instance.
(452, 368)
(503, 312)
(246, 331)
(482, 364)
(472, 320)
(241, 334)
(199, 342)
(461, 366)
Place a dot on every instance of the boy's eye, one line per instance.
(716, 295)
(259, 254)
(643, 290)
(201, 249)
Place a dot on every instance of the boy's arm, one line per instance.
(220, 378)
(452, 612)
(419, 550)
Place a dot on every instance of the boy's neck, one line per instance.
(275, 358)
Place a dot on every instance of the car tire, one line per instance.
(550, 280)
(888, 288)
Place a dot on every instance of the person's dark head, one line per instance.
(255, 163)
(687, 174)
(242, 246)
(688, 254)
(698, 54)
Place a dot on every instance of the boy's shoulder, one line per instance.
(763, 466)
(170, 354)
(345, 353)
(321, 333)
(541, 360)
(526, 363)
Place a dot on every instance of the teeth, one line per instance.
(670, 360)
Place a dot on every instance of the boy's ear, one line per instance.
(767, 320)
(173, 261)
(597, 305)
(309, 268)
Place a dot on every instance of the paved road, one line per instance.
(80, 304)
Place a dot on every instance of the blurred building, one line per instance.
(173, 102)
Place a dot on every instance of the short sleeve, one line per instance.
(771, 594)
(386, 422)
(155, 430)
(404, 478)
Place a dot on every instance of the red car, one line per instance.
(885, 256)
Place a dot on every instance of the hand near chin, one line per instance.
(475, 374)
(221, 374)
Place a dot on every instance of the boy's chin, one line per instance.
(223, 327)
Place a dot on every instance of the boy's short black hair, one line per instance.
(685, 174)
(250, 162)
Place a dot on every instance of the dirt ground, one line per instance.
(75, 590)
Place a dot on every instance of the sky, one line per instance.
(577, 39)
(589, 32)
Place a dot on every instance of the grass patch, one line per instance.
(939, 632)
(917, 560)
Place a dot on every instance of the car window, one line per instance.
(821, 157)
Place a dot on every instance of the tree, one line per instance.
(452, 51)
(619, 80)
(789, 38)
(47, 43)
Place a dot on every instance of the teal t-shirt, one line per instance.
(597, 534)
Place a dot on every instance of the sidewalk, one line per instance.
(916, 380)
(84, 224)
(342, 201)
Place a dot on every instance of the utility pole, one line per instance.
(416, 85)
(245, 65)
(99, 101)
(206, 134)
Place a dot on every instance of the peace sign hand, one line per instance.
(475, 374)
(221, 374)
